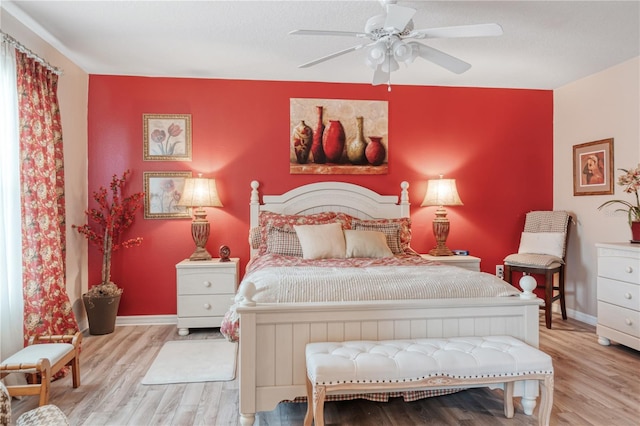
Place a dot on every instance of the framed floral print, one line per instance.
(162, 191)
(167, 137)
(593, 168)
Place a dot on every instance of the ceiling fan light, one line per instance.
(401, 51)
(376, 55)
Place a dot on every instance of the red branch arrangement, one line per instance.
(110, 220)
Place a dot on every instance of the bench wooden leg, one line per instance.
(546, 400)
(508, 400)
(308, 417)
(319, 393)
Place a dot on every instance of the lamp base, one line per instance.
(441, 251)
(200, 233)
(441, 232)
(200, 253)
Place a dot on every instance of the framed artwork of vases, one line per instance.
(337, 136)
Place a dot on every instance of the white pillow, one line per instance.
(551, 243)
(366, 244)
(321, 241)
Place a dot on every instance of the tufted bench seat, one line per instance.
(398, 365)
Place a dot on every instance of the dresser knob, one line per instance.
(207, 306)
(628, 321)
(629, 269)
(207, 283)
(627, 295)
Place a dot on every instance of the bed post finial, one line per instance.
(404, 199)
(255, 199)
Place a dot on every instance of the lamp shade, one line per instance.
(200, 192)
(441, 192)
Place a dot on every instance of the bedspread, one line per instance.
(284, 279)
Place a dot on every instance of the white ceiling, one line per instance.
(545, 45)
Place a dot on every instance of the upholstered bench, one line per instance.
(398, 365)
(41, 360)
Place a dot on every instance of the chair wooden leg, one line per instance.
(563, 307)
(548, 297)
(507, 273)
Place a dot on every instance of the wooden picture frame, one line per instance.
(593, 168)
(162, 191)
(167, 137)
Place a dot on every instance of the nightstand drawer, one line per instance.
(204, 305)
(619, 268)
(621, 319)
(619, 293)
(206, 282)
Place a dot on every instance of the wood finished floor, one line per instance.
(594, 385)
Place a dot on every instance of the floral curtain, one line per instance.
(47, 309)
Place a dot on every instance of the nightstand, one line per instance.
(206, 289)
(471, 263)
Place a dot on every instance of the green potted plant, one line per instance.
(113, 215)
(630, 179)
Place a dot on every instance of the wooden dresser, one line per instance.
(205, 292)
(619, 294)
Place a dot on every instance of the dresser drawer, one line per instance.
(619, 293)
(619, 268)
(622, 319)
(204, 305)
(206, 282)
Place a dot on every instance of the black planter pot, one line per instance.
(101, 313)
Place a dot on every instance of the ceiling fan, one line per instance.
(391, 40)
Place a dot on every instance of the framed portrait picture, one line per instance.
(167, 137)
(162, 191)
(593, 168)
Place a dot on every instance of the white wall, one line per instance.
(73, 88)
(603, 105)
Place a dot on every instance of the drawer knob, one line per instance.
(628, 321)
(627, 295)
(207, 283)
(207, 306)
(629, 269)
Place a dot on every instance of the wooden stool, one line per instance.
(43, 358)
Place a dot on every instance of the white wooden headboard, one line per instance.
(342, 197)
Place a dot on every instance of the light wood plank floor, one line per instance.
(594, 385)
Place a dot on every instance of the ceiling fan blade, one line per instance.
(438, 57)
(478, 30)
(398, 17)
(380, 77)
(331, 56)
(328, 33)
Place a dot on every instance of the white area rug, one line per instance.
(186, 361)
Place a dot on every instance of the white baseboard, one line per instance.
(147, 320)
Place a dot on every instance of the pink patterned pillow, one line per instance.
(281, 220)
(397, 231)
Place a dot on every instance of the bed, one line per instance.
(273, 333)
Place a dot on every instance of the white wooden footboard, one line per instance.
(273, 337)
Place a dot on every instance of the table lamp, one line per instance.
(441, 192)
(199, 193)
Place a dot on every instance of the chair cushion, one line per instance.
(5, 405)
(551, 243)
(47, 415)
(31, 354)
(533, 260)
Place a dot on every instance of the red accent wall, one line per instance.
(497, 144)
